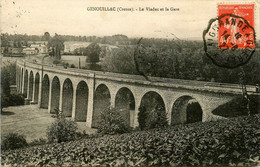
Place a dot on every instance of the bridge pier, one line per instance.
(17, 79)
(137, 104)
(113, 100)
(50, 96)
(168, 109)
(40, 91)
(28, 86)
(74, 103)
(33, 90)
(61, 95)
(36, 88)
(22, 84)
(91, 91)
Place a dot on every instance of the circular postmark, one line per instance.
(229, 41)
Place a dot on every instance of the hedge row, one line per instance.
(235, 141)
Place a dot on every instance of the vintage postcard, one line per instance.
(130, 83)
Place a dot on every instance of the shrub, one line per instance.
(11, 100)
(142, 117)
(16, 100)
(72, 66)
(62, 130)
(4, 101)
(112, 123)
(56, 61)
(13, 141)
(65, 65)
(154, 119)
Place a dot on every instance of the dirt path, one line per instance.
(30, 121)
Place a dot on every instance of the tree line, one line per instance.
(22, 39)
(180, 60)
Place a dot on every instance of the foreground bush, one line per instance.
(13, 141)
(16, 99)
(8, 75)
(12, 100)
(154, 119)
(112, 122)
(61, 130)
(235, 141)
(56, 61)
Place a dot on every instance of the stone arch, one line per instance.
(36, 91)
(102, 101)
(25, 83)
(81, 101)
(55, 94)
(186, 109)
(31, 79)
(125, 103)
(45, 92)
(151, 103)
(67, 97)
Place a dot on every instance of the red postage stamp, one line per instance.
(236, 26)
(229, 39)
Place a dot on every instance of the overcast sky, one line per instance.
(71, 17)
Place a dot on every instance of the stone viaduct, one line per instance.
(82, 94)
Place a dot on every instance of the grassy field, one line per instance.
(31, 121)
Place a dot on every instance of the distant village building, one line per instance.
(40, 47)
(36, 47)
(24, 47)
(30, 51)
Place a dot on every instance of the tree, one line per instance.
(142, 114)
(4, 40)
(120, 61)
(8, 77)
(92, 52)
(46, 36)
(5, 88)
(56, 44)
